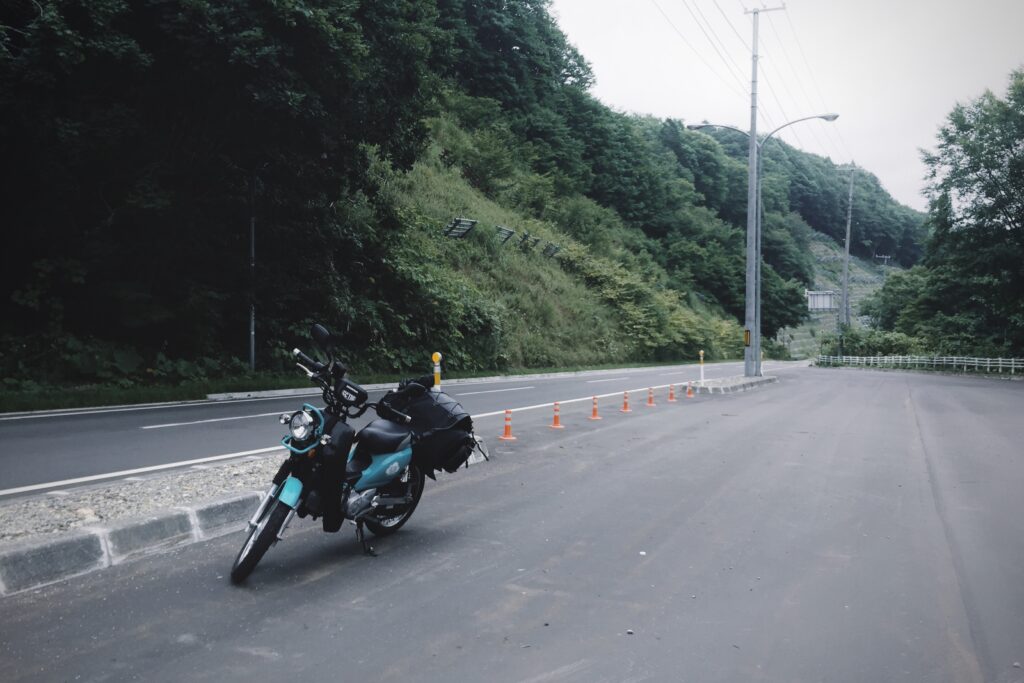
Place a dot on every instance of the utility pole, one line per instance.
(845, 304)
(752, 328)
(252, 273)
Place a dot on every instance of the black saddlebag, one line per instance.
(442, 429)
(447, 450)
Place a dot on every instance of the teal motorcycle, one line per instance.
(374, 477)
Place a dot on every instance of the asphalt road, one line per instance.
(841, 525)
(48, 448)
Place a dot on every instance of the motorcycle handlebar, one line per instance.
(306, 360)
(385, 411)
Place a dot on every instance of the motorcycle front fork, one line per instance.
(268, 497)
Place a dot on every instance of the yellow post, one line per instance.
(437, 370)
(702, 367)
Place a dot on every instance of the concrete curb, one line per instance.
(42, 561)
(730, 385)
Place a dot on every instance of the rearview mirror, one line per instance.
(322, 337)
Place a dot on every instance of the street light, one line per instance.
(752, 359)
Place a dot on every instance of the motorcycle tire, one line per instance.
(259, 541)
(396, 518)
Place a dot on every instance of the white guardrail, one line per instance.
(961, 363)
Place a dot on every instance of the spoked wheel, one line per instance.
(259, 541)
(391, 520)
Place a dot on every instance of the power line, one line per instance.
(715, 34)
(743, 91)
(737, 33)
(814, 81)
(816, 139)
(713, 46)
(785, 53)
(782, 110)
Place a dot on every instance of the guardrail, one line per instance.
(962, 363)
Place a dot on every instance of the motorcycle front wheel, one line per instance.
(259, 541)
(387, 522)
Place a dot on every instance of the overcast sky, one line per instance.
(892, 69)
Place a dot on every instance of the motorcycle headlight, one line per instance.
(302, 425)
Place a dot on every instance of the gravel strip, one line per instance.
(58, 512)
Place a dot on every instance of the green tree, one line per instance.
(976, 254)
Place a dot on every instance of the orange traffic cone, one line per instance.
(650, 398)
(625, 403)
(593, 414)
(557, 423)
(507, 436)
(689, 390)
(671, 393)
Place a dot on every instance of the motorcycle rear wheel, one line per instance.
(259, 541)
(396, 518)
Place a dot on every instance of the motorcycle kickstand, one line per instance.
(367, 548)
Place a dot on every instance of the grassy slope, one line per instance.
(865, 278)
(550, 318)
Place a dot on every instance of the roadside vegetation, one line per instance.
(966, 296)
(143, 139)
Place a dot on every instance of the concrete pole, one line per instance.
(252, 274)
(845, 304)
(750, 349)
(759, 222)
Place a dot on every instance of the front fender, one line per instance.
(291, 490)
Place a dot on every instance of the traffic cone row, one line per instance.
(557, 422)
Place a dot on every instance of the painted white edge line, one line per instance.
(492, 391)
(260, 451)
(613, 379)
(139, 470)
(213, 419)
(70, 412)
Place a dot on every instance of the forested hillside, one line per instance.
(142, 139)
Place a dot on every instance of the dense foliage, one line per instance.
(142, 140)
(967, 297)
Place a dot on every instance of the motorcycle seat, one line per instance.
(384, 436)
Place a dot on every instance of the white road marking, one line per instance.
(570, 400)
(214, 419)
(613, 379)
(164, 406)
(72, 412)
(492, 391)
(138, 470)
(253, 453)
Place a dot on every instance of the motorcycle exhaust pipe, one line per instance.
(388, 501)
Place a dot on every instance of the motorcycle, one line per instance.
(373, 478)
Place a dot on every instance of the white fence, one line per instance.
(959, 363)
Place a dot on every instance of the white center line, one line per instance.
(212, 419)
(492, 391)
(612, 379)
(139, 470)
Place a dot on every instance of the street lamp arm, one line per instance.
(827, 117)
(698, 126)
